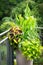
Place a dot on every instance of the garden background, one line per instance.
(10, 9)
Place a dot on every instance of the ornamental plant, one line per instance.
(24, 36)
(15, 36)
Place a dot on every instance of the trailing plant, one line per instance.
(6, 25)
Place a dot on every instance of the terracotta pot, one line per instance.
(21, 60)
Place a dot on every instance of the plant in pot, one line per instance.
(25, 40)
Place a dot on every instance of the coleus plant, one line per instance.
(15, 36)
(24, 36)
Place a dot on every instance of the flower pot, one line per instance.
(21, 60)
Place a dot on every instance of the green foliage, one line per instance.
(18, 9)
(7, 5)
(14, 7)
(31, 50)
(7, 24)
(30, 44)
(40, 60)
(7, 19)
(40, 1)
(31, 47)
(27, 12)
(4, 8)
(27, 24)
